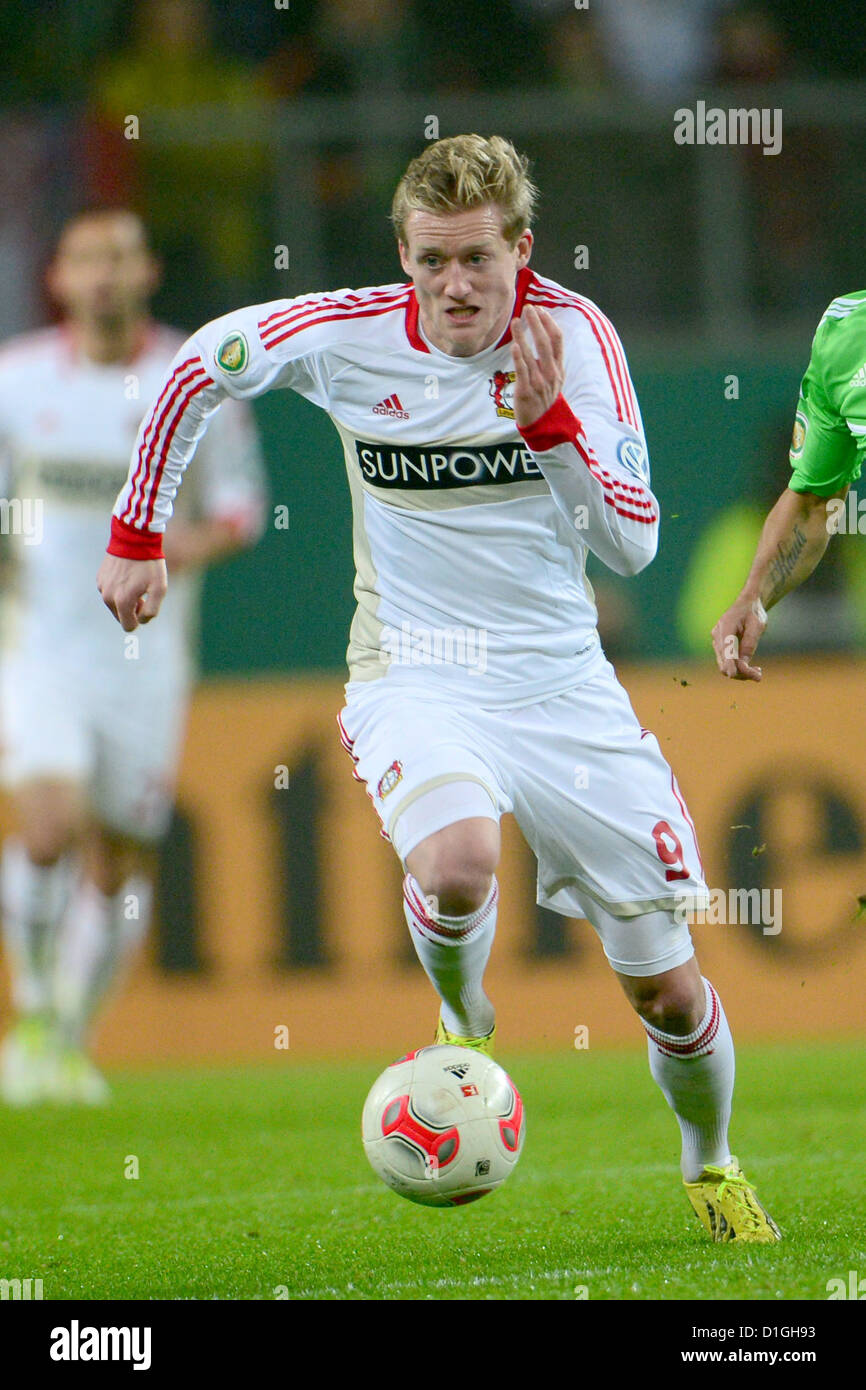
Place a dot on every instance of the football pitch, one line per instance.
(251, 1183)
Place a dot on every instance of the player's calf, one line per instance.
(691, 1058)
(454, 950)
(107, 917)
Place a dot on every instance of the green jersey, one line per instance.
(829, 440)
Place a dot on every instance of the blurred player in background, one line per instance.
(827, 450)
(492, 438)
(91, 725)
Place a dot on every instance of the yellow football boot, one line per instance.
(728, 1207)
(26, 1059)
(484, 1044)
(76, 1081)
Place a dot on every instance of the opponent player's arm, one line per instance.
(794, 538)
(826, 456)
(609, 506)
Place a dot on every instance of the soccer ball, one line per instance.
(443, 1126)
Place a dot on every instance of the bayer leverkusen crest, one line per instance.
(389, 780)
(502, 391)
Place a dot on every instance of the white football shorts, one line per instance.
(119, 739)
(595, 799)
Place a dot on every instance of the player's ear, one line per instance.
(404, 257)
(524, 249)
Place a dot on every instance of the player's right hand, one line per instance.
(735, 637)
(132, 589)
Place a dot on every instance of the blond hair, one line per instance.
(467, 171)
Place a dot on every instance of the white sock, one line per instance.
(454, 952)
(34, 898)
(98, 938)
(696, 1075)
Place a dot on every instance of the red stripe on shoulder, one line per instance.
(327, 319)
(325, 309)
(312, 302)
(606, 336)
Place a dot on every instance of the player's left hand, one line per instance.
(538, 380)
(735, 637)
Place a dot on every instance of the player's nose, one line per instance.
(457, 285)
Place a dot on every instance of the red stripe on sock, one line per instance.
(701, 1043)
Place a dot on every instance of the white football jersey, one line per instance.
(470, 536)
(67, 425)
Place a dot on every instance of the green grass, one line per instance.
(254, 1179)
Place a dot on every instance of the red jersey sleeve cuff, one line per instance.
(131, 544)
(558, 425)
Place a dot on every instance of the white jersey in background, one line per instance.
(66, 428)
(77, 699)
(470, 537)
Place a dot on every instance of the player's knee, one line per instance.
(459, 890)
(44, 853)
(672, 1003)
(50, 821)
(108, 878)
(47, 841)
(456, 866)
(460, 883)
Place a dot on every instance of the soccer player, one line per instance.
(827, 451)
(492, 437)
(91, 725)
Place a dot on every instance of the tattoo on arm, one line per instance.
(784, 562)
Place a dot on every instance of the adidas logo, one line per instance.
(859, 378)
(392, 407)
(458, 1069)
